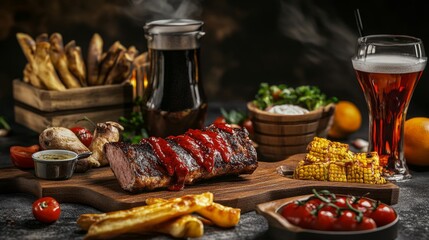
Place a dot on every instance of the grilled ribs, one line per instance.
(216, 150)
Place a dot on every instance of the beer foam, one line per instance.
(391, 64)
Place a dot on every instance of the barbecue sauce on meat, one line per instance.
(170, 160)
(206, 145)
(220, 145)
(192, 147)
(224, 127)
(201, 145)
(211, 141)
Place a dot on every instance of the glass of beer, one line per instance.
(388, 68)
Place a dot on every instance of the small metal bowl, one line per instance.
(56, 169)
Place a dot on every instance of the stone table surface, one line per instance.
(17, 221)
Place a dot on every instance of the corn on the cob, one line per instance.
(365, 169)
(337, 172)
(333, 161)
(315, 171)
(323, 150)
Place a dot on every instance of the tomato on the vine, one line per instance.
(366, 224)
(364, 205)
(383, 215)
(46, 210)
(313, 203)
(327, 212)
(341, 202)
(84, 135)
(219, 119)
(346, 222)
(298, 214)
(22, 156)
(235, 117)
(324, 221)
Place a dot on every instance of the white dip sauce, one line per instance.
(288, 109)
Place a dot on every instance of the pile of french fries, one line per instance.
(53, 66)
(174, 217)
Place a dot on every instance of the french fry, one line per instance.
(75, 61)
(186, 226)
(220, 215)
(30, 77)
(182, 227)
(108, 62)
(94, 57)
(28, 46)
(111, 67)
(136, 219)
(121, 71)
(86, 220)
(44, 37)
(132, 52)
(44, 69)
(59, 60)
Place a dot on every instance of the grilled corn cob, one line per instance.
(365, 169)
(333, 161)
(323, 150)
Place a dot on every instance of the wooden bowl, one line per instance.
(278, 136)
(279, 140)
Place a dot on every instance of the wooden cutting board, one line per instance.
(100, 189)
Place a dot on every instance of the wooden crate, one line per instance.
(38, 109)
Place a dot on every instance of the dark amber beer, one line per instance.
(388, 82)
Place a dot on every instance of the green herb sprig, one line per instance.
(134, 128)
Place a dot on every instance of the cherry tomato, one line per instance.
(341, 202)
(364, 205)
(383, 215)
(248, 125)
(346, 221)
(220, 119)
(288, 212)
(84, 135)
(46, 210)
(366, 224)
(297, 214)
(313, 203)
(324, 221)
(21, 156)
(331, 209)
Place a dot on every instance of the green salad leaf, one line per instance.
(309, 97)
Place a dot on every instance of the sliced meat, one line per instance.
(137, 167)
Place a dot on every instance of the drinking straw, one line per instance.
(359, 22)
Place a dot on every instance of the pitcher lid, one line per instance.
(173, 26)
(174, 34)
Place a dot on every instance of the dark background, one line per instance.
(246, 43)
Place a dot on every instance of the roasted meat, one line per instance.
(172, 163)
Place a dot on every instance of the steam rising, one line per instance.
(328, 44)
(311, 25)
(147, 10)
